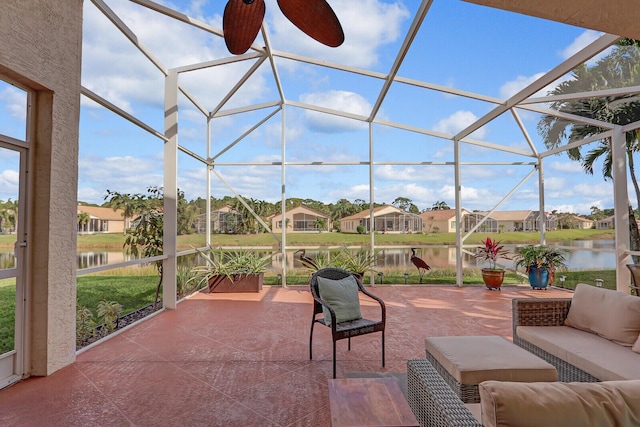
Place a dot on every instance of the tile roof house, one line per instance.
(517, 220)
(103, 220)
(440, 221)
(387, 219)
(581, 223)
(223, 220)
(301, 219)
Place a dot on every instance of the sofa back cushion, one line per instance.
(610, 314)
(612, 403)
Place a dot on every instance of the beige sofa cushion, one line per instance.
(473, 359)
(614, 403)
(601, 358)
(610, 314)
(636, 346)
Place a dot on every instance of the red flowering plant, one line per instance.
(491, 250)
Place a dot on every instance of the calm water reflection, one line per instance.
(579, 256)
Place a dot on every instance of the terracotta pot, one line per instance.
(492, 278)
(237, 283)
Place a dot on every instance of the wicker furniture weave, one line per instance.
(546, 312)
(432, 400)
(494, 358)
(348, 329)
(466, 392)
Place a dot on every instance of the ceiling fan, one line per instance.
(242, 20)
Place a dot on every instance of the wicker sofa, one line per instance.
(598, 341)
(555, 404)
(432, 400)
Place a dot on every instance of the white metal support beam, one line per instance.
(411, 34)
(458, 199)
(372, 195)
(567, 66)
(542, 218)
(621, 208)
(283, 196)
(170, 191)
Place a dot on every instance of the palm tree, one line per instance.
(83, 218)
(440, 206)
(620, 68)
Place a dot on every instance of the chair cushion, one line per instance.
(610, 314)
(342, 296)
(613, 403)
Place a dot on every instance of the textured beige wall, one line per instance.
(618, 17)
(40, 47)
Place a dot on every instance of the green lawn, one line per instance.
(115, 241)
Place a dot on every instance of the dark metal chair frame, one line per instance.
(635, 276)
(348, 329)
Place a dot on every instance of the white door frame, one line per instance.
(12, 363)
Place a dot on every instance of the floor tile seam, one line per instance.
(319, 381)
(324, 409)
(233, 400)
(208, 338)
(211, 386)
(104, 396)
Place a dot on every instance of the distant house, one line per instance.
(387, 219)
(103, 220)
(520, 220)
(606, 223)
(609, 223)
(440, 221)
(223, 220)
(581, 223)
(301, 219)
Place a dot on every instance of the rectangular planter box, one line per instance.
(240, 283)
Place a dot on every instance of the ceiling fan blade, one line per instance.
(315, 18)
(240, 24)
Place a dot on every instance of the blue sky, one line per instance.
(460, 45)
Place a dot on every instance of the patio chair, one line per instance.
(336, 296)
(635, 277)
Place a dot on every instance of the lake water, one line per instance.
(581, 255)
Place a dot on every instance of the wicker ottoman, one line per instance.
(464, 362)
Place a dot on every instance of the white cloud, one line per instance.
(14, 101)
(580, 42)
(457, 122)
(413, 174)
(367, 25)
(555, 184)
(117, 71)
(9, 180)
(569, 167)
(349, 102)
(603, 190)
(512, 87)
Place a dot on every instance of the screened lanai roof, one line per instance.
(435, 100)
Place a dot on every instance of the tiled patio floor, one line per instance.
(243, 359)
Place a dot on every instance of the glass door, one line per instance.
(13, 241)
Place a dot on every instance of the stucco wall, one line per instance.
(40, 47)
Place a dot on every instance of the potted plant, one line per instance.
(541, 263)
(491, 251)
(359, 263)
(231, 271)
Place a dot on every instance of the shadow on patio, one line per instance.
(243, 359)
